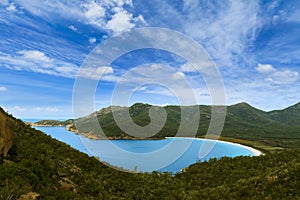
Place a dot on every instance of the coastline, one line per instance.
(91, 136)
(254, 151)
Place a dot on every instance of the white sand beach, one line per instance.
(255, 152)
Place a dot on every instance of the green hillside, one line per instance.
(279, 128)
(38, 166)
(290, 115)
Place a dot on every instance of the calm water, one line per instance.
(148, 155)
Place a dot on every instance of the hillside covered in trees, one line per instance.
(38, 166)
(279, 128)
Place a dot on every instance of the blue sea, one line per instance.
(168, 155)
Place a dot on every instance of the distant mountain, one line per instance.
(290, 115)
(279, 128)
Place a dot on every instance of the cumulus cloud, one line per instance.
(35, 55)
(278, 77)
(265, 68)
(3, 89)
(121, 21)
(94, 12)
(102, 14)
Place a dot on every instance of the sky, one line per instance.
(255, 46)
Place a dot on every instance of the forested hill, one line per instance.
(39, 167)
(280, 128)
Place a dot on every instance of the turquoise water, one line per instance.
(169, 155)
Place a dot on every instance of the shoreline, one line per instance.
(254, 151)
(94, 137)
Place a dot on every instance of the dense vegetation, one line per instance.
(52, 123)
(53, 170)
(279, 128)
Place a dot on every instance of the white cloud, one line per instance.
(278, 77)
(283, 77)
(293, 15)
(265, 68)
(141, 19)
(121, 21)
(47, 109)
(90, 11)
(35, 55)
(94, 12)
(73, 28)
(162, 80)
(103, 72)
(11, 8)
(4, 2)
(92, 40)
(107, 15)
(3, 89)
(37, 61)
(178, 75)
(225, 29)
(122, 2)
(142, 88)
(186, 67)
(18, 108)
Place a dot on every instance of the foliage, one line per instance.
(39, 164)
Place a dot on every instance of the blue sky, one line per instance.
(255, 45)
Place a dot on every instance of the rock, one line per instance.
(30, 196)
(6, 132)
(67, 185)
(62, 174)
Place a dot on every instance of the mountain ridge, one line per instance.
(243, 121)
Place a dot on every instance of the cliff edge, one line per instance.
(6, 132)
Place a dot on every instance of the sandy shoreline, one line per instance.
(255, 152)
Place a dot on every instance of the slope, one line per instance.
(41, 166)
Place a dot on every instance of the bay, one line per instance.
(167, 155)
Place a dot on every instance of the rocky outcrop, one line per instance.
(6, 133)
(67, 185)
(30, 196)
